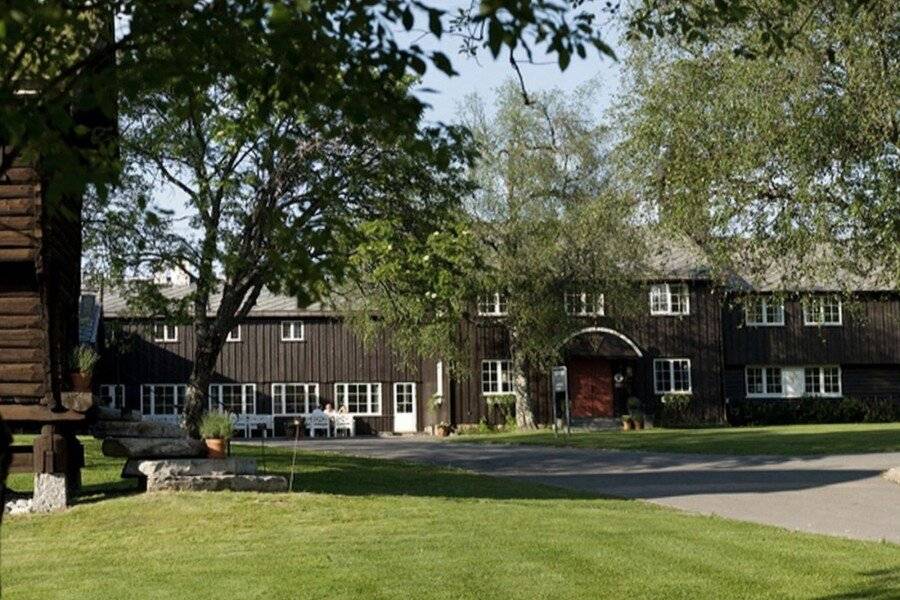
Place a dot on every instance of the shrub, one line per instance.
(675, 410)
(216, 426)
(505, 404)
(850, 409)
(83, 359)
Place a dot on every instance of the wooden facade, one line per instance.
(330, 353)
(713, 337)
(40, 259)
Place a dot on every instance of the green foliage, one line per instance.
(433, 403)
(675, 411)
(504, 405)
(787, 162)
(83, 360)
(337, 54)
(850, 409)
(542, 195)
(216, 426)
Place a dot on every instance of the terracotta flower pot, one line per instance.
(442, 431)
(216, 448)
(81, 382)
(627, 424)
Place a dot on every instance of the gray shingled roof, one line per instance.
(268, 304)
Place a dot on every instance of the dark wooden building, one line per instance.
(280, 363)
(692, 339)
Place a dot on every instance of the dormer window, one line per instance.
(292, 331)
(764, 311)
(493, 305)
(163, 332)
(584, 304)
(823, 310)
(669, 299)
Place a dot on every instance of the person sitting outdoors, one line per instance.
(329, 409)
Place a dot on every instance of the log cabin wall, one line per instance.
(330, 353)
(40, 269)
(24, 341)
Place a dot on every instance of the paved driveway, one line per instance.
(837, 495)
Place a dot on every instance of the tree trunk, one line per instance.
(521, 388)
(197, 396)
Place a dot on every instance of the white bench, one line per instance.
(318, 421)
(344, 422)
(248, 423)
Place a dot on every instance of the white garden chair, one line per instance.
(318, 421)
(345, 422)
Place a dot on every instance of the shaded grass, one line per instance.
(783, 440)
(361, 528)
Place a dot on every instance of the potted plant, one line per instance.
(442, 429)
(81, 364)
(627, 423)
(216, 430)
(637, 418)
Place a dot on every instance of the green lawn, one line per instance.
(361, 528)
(782, 440)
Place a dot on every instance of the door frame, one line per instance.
(414, 426)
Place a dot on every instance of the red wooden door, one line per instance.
(590, 387)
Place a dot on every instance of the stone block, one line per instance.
(50, 492)
(180, 467)
(153, 448)
(218, 483)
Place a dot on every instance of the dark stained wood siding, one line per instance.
(25, 363)
(870, 334)
(330, 353)
(696, 336)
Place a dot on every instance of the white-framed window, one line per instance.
(670, 299)
(294, 398)
(764, 381)
(236, 398)
(763, 312)
(113, 395)
(405, 397)
(493, 305)
(292, 331)
(822, 381)
(162, 398)
(672, 375)
(234, 335)
(359, 398)
(496, 377)
(822, 310)
(163, 332)
(584, 304)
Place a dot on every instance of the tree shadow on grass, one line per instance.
(98, 492)
(883, 584)
(352, 476)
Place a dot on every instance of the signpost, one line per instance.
(560, 385)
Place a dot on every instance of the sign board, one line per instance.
(559, 379)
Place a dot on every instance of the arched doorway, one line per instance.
(601, 363)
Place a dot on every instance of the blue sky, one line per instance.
(485, 74)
